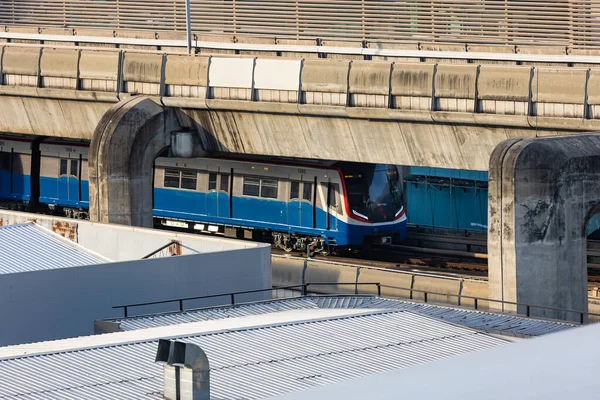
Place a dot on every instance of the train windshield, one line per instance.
(374, 191)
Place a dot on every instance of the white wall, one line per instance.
(53, 304)
(120, 242)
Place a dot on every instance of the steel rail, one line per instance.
(323, 50)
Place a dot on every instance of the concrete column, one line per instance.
(126, 142)
(542, 193)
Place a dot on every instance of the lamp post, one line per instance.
(188, 26)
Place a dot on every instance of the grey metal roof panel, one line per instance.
(249, 363)
(483, 321)
(30, 247)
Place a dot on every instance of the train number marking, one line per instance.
(302, 171)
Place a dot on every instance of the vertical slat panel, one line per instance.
(507, 22)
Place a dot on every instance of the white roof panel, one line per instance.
(30, 247)
(252, 362)
(485, 321)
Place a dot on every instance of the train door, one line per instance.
(74, 173)
(212, 193)
(333, 199)
(307, 205)
(68, 181)
(321, 209)
(223, 194)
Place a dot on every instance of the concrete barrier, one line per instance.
(412, 86)
(142, 73)
(323, 272)
(477, 289)
(20, 66)
(394, 284)
(231, 78)
(593, 93)
(559, 92)
(325, 82)
(504, 90)
(186, 76)
(287, 271)
(369, 84)
(450, 289)
(455, 87)
(277, 80)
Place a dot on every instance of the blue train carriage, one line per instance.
(64, 182)
(15, 169)
(296, 205)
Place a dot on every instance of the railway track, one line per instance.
(464, 255)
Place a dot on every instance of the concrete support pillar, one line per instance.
(126, 142)
(542, 193)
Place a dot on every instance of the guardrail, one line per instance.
(513, 95)
(304, 289)
(548, 23)
(426, 295)
(319, 49)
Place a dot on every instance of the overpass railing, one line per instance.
(494, 22)
(492, 305)
(509, 95)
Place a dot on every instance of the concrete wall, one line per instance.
(60, 303)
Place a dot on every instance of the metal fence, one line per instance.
(573, 23)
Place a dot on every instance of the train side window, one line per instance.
(188, 180)
(224, 183)
(74, 169)
(307, 192)
(294, 190)
(212, 181)
(251, 186)
(171, 178)
(63, 167)
(268, 188)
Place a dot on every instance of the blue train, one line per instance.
(318, 205)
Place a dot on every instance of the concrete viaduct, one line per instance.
(525, 123)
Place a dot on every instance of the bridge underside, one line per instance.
(444, 145)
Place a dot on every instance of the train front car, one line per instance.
(374, 203)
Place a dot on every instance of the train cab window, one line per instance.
(294, 190)
(268, 188)
(171, 178)
(188, 180)
(307, 192)
(74, 168)
(224, 183)
(63, 167)
(251, 186)
(5, 160)
(212, 181)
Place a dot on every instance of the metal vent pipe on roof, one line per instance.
(186, 370)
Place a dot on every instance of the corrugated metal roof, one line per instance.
(248, 363)
(484, 321)
(30, 247)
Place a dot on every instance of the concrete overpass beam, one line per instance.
(542, 192)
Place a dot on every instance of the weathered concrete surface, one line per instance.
(542, 193)
(127, 140)
(362, 140)
(50, 117)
